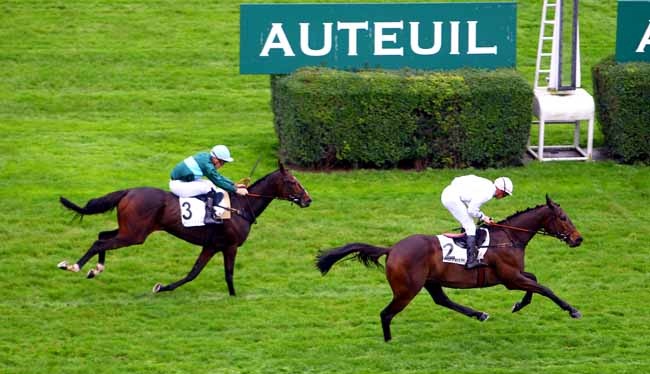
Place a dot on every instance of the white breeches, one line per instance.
(189, 189)
(457, 208)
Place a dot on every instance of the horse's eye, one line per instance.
(562, 218)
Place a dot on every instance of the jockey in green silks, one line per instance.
(187, 178)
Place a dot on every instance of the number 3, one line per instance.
(187, 207)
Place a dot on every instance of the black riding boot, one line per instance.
(209, 209)
(472, 253)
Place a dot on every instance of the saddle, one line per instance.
(460, 239)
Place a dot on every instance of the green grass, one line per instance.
(96, 96)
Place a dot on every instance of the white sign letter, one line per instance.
(472, 49)
(327, 40)
(415, 39)
(454, 50)
(283, 43)
(352, 28)
(645, 40)
(380, 38)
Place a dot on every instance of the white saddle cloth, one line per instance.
(458, 255)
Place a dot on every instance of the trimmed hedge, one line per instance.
(622, 93)
(327, 118)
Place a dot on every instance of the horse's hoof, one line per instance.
(576, 314)
(516, 307)
(483, 317)
(92, 273)
(63, 265)
(156, 288)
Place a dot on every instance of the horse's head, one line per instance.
(288, 188)
(559, 225)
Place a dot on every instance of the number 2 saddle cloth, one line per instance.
(454, 246)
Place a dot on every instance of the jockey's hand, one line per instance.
(487, 219)
(240, 185)
(242, 191)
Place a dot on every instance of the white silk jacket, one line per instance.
(473, 191)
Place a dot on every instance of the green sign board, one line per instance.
(633, 31)
(279, 38)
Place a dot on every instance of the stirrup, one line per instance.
(209, 220)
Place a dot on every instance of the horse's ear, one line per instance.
(281, 167)
(549, 202)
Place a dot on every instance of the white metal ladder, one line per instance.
(546, 46)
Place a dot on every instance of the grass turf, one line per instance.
(102, 95)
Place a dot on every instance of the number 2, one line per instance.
(448, 246)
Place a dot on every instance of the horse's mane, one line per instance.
(262, 179)
(518, 213)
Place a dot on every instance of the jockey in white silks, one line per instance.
(464, 198)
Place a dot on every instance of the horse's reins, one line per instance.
(258, 195)
(293, 199)
(541, 231)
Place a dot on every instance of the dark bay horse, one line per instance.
(416, 262)
(141, 211)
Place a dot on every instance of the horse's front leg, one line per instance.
(440, 298)
(521, 282)
(527, 297)
(229, 255)
(201, 261)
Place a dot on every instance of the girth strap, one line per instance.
(481, 279)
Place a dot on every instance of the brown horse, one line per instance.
(140, 211)
(416, 262)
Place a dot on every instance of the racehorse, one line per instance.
(140, 211)
(416, 262)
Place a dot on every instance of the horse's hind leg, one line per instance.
(527, 297)
(99, 268)
(404, 290)
(398, 304)
(201, 261)
(102, 245)
(440, 298)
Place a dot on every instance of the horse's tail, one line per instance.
(366, 254)
(98, 205)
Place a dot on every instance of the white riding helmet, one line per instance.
(222, 153)
(504, 184)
